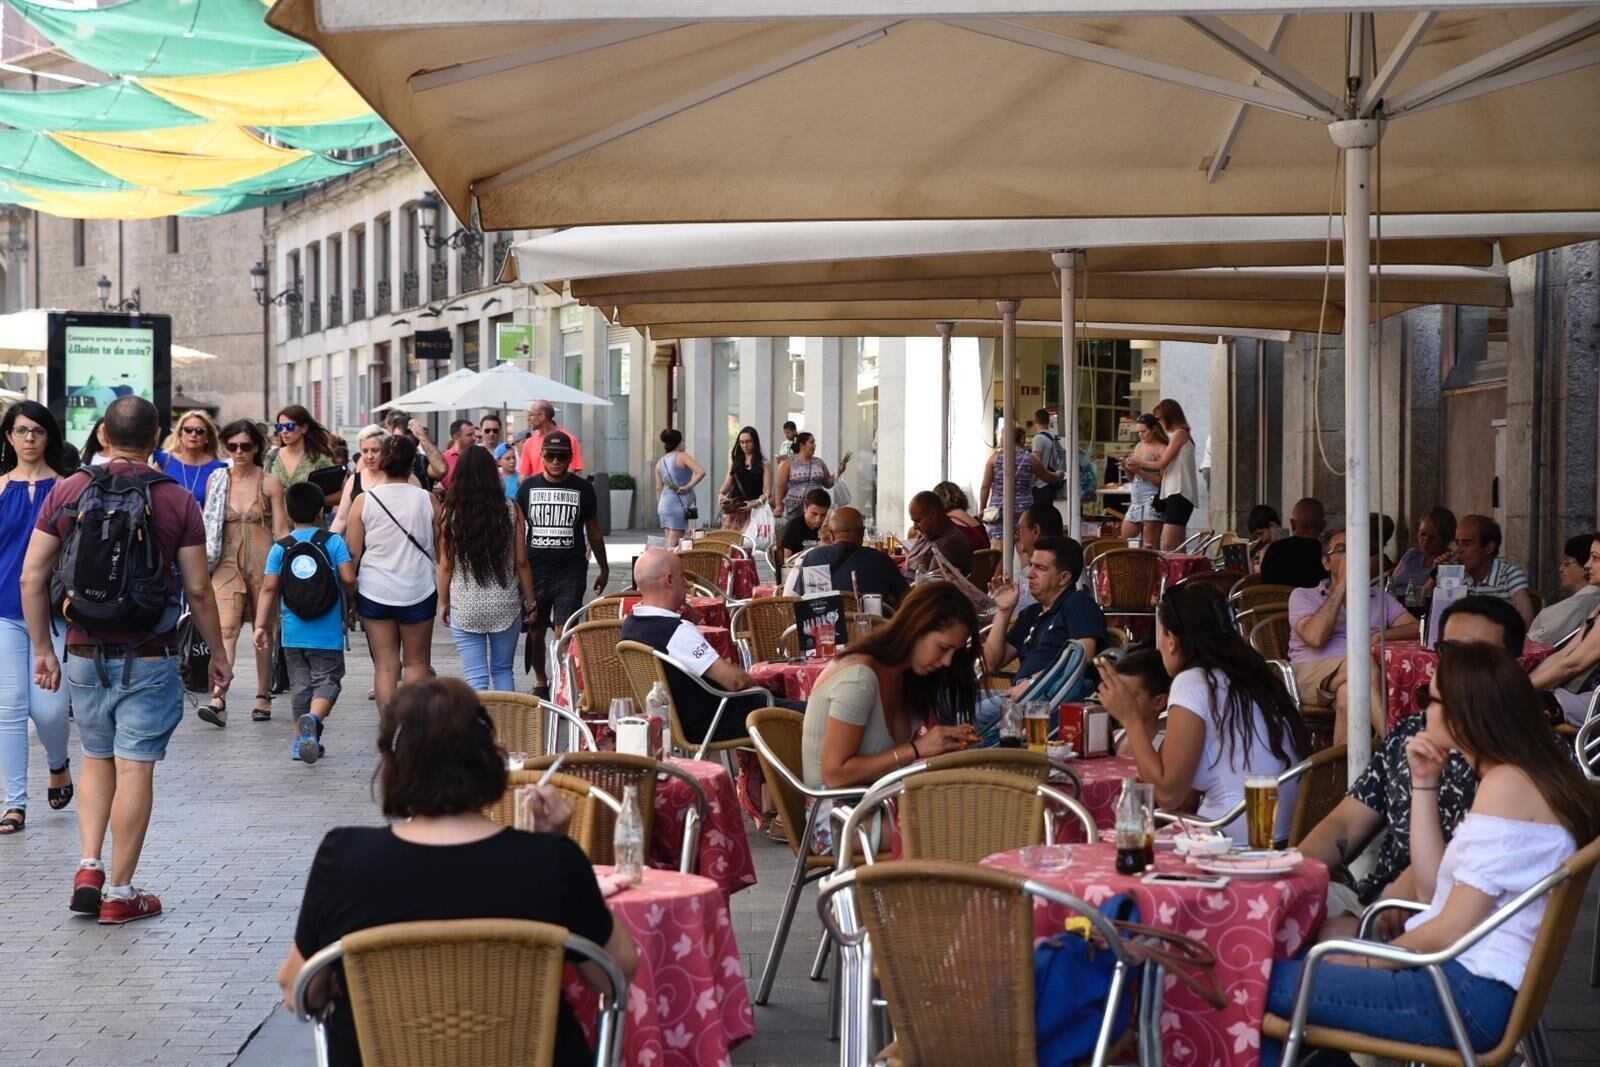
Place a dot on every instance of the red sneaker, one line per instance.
(86, 890)
(141, 905)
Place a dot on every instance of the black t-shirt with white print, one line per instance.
(556, 513)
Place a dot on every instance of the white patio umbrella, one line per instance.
(431, 396)
(507, 385)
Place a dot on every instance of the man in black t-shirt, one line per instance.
(558, 508)
(1297, 560)
(854, 567)
(806, 526)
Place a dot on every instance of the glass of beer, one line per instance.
(827, 636)
(1261, 809)
(1036, 721)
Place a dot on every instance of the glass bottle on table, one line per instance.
(1133, 849)
(657, 707)
(627, 844)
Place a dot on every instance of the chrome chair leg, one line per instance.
(1594, 954)
(779, 936)
(835, 995)
(822, 957)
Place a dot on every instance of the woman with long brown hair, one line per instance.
(1144, 486)
(303, 446)
(863, 717)
(1180, 481)
(1533, 810)
(485, 583)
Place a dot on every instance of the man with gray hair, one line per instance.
(1318, 650)
(541, 421)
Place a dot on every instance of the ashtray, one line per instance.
(1049, 859)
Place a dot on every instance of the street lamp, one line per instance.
(106, 303)
(431, 209)
(258, 284)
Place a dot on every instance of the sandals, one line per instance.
(259, 713)
(13, 822)
(214, 712)
(59, 796)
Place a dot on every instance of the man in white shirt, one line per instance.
(1581, 583)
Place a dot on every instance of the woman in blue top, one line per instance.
(677, 473)
(30, 460)
(192, 454)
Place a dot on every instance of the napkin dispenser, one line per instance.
(1096, 731)
(633, 736)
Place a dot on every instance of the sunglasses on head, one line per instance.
(288, 427)
(241, 446)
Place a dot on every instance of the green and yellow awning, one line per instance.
(206, 110)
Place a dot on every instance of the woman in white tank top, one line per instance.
(390, 533)
(1180, 481)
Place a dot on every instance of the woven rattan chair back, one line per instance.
(713, 544)
(1261, 598)
(767, 617)
(520, 723)
(584, 827)
(605, 609)
(1322, 786)
(959, 989)
(1132, 579)
(1249, 581)
(985, 562)
(704, 564)
(643, 671)
(965, 815)
(484, 992)
(1018, 761)
(726, 537)
(1099, 547)
(1270, 636)
(1222, 581)
(781, 730)
(612, 772)
(595, 646)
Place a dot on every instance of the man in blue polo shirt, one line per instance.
(1038, 635)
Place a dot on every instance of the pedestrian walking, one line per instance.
(562, 529)
(304, 446)
(429, 466)
(391, 537)
(313, 573)
(541, 423)
(677, 473)
(800, 473)
(244, 514)
(993, 491)
(1049, 461)
(192, 453)
(31, 460)
(485, 583)
(749, 481)
(127, 697)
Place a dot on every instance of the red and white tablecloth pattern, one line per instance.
(1102, 785)
(743, 579)
(1247, 923)
(792, 681)
(1181, 565)
(1407, 666)
(764, 590)
(724, 849)
(709, 610)
(687, 1004)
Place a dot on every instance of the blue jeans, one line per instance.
(488, 660)
(21, 700)
(133, 717)
(1397, 1005)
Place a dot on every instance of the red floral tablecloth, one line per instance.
(743, 577)
(1408, 666)
(1181, 565)
(764, 590)
(793, 681)
(1247, 924)
(724, 849)
(687, 1003)
(1102, 785)
(709, 610)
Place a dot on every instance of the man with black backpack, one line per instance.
(107, 554)
(313, 571)
(1049, 460)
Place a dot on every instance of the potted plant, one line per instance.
(621, 500)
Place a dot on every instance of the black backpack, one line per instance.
(307, 577)
(110, 576)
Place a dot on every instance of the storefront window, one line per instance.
(862, 437)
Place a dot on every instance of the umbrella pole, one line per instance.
(945, 330)
(1067, 264)
(1356, 138)
(1008, 465)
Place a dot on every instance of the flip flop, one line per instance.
(13, 822)
(259, 713)
(215, 712)
(59, 796)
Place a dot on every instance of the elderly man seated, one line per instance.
(1570, 677)
(1318, 639)
(658, 622)
(1581, 583)
(854, 567)
(1381, 798)
(937, 532)
(1062, 612)
(1477, 548)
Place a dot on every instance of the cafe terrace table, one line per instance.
(709, 610)
(739, 577)
(687, 1004)
(1102, 785)
(1408, 666)
(1181, 565)
(725, 855)
(1247, 923)
(790, 680)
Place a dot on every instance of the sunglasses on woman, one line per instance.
(288, 427)
(195, 431)
(241, 446)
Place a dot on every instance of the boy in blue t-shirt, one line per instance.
(314, 647)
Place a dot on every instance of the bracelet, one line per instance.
(895, 752)
(913, 744)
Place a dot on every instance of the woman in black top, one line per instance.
(438, 768)
(749, 480)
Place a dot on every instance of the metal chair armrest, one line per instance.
(1072, 806)
(585, 735)
(771, 758)
(319, 962)
(1369, 917)
(1587, 742)
(613, 1020)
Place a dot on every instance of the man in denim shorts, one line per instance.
(126, 694)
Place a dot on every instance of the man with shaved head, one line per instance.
(854, 567)
(658, 622)
(1297, 561)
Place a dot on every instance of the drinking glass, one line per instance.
(1011, 734)
(1261, 809)
(1036, 718)
(621, 708)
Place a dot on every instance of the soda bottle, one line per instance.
(657, 706)
(628, 845)
(1130, 830)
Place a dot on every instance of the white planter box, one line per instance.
(621, 509)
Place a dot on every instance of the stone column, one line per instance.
(696, 415)
(824, 371)
(758, 357)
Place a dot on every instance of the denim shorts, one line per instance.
(408, 615)
(130, 721)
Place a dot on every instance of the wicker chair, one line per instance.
(1321, 788)
(1270, 636)
(958, 990)
(1249, 581)
(1222, 581)
(1524, 1033)
(605, 609)
(485, 992)
(726, 537)
(1098, 547)
(1259, 597)
(524, 723)
(985, 562)
(1018, 761)
(704, 565)
(1132, 578)
(588, 653)
(764, 620)
(588, 801)
(612, 772)
(645, 667)
(725, 549)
